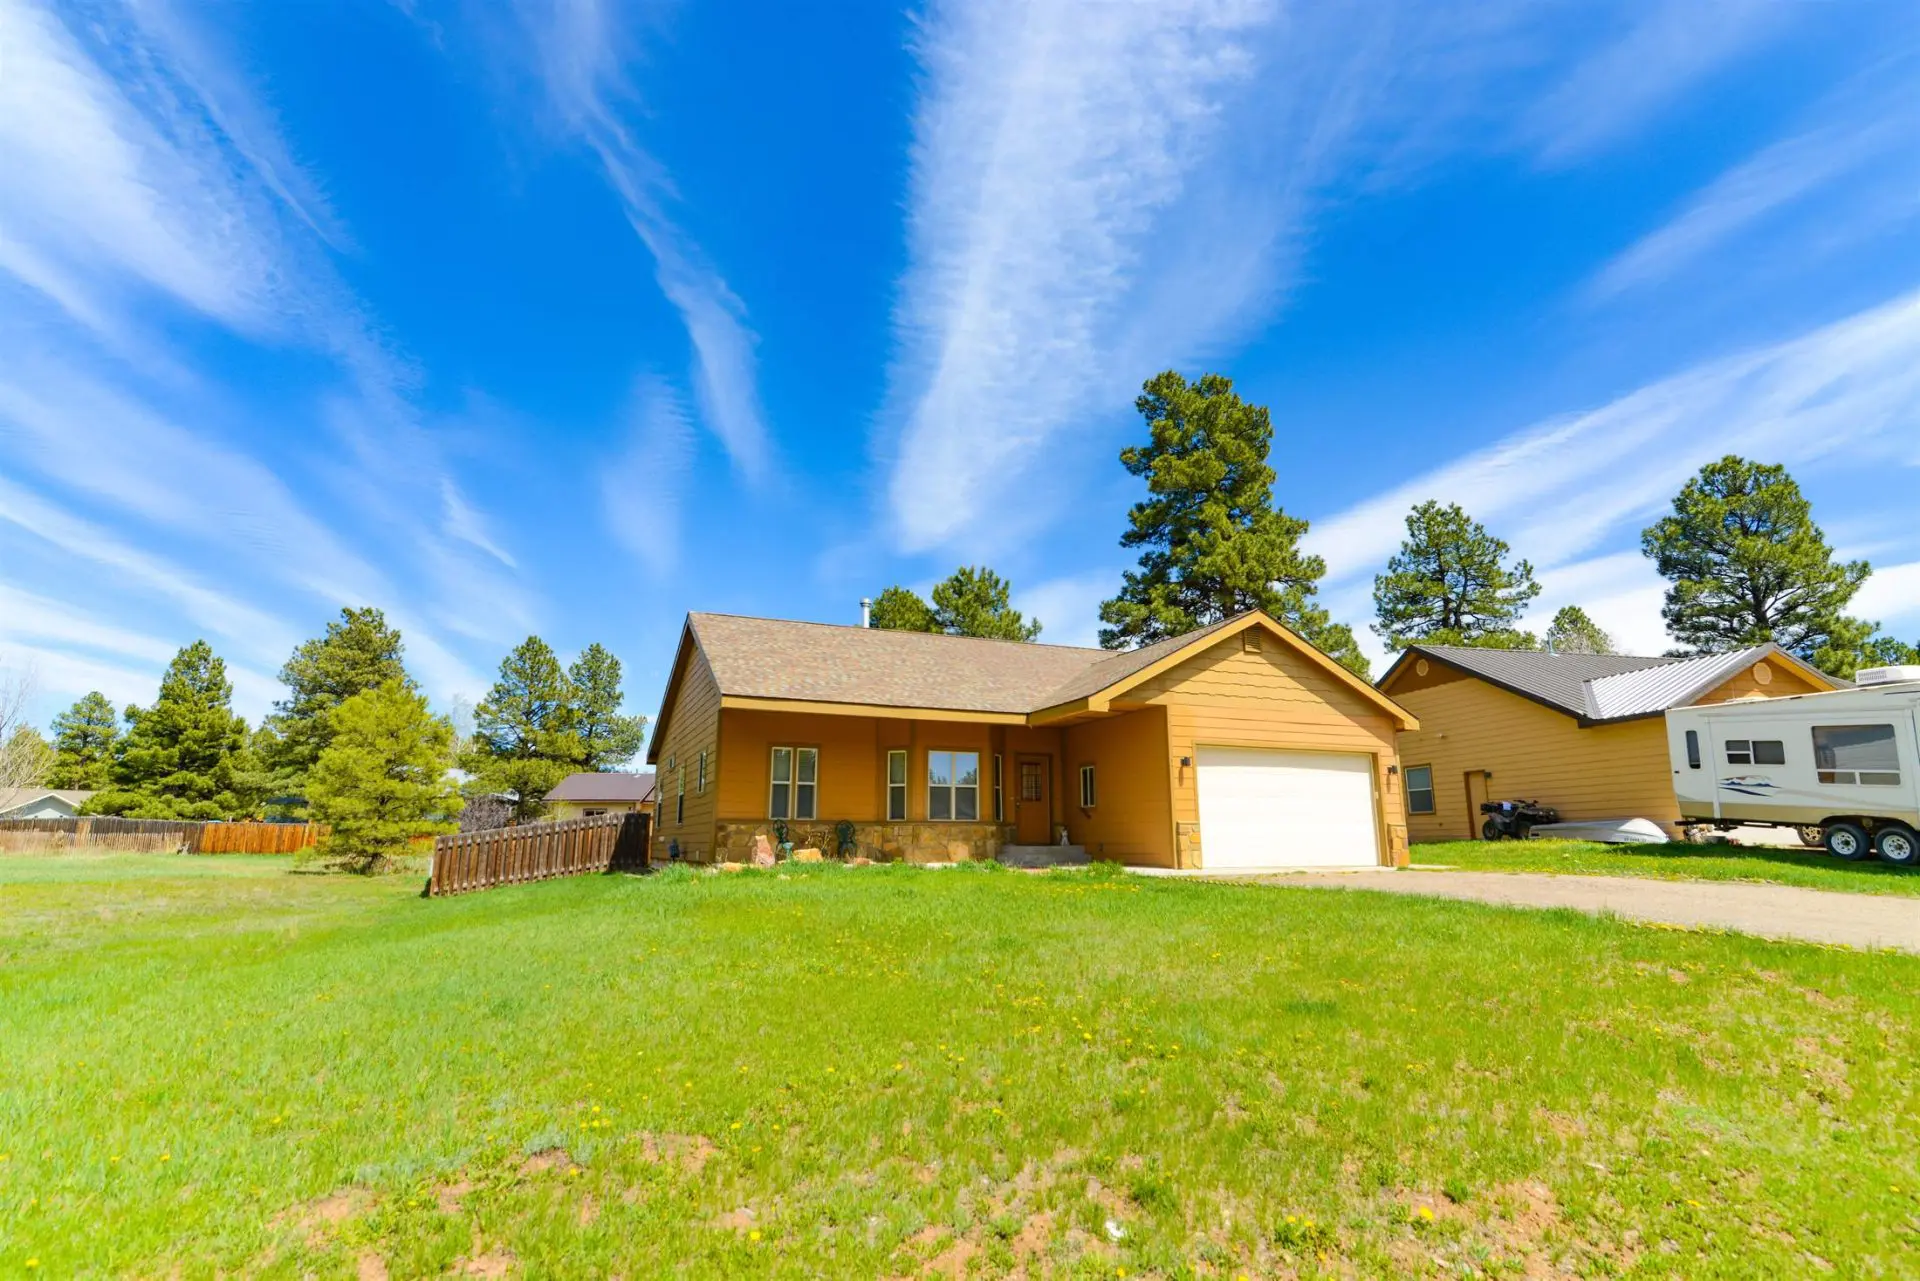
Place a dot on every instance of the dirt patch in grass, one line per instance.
(370, 1267)
(1518, 1227)
(318, 1220)
(547, 1160)
(688, 1153)
(493, 1263)
(446, 1197)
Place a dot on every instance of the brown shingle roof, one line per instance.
(833, 663)
(606, 786)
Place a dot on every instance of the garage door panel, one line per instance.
(1267, 808)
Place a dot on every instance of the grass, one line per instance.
(1814, 869)
(213, 1067)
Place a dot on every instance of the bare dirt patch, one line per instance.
(494, 1263)
(317, 1220)
(547, 1160)
(371, 1267)
(689, 1153)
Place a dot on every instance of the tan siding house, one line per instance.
(591, 794)
(933, 748)
(1582, 733)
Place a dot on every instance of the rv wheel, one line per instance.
(1847, 840)
(1812, 837)
(1897, 845)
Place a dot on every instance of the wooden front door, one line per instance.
(1476, 792)
(1032, 800)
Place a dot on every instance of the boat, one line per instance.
(1607, 831)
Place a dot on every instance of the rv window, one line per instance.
(1758, 751)
(1693, 749)
(1866, 755)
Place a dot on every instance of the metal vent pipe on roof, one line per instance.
(866, 612)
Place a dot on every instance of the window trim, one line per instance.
(1433, 797)
(1693, 749)
(680, 799)
(999, 792)
(1089, 790)
(793, 783)
(954, 788)
(904, 786)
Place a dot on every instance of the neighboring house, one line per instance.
(1238, 745)
(1583, 733)
(585, 795)
(41, 802)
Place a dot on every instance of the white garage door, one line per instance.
(1262, 808)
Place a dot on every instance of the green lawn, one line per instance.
(1815, 869)
(215, 1067)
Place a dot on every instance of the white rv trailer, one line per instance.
(1846, 762)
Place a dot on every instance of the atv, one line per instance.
(1514, 820)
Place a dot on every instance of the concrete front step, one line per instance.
(1044, 855)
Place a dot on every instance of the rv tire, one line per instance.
(1848, 841)
(1812, 837)
(1897, 845)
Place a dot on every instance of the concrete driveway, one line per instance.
(1771, 911)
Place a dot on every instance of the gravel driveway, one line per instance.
(1772, 911)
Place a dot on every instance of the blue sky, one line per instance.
(567, 317)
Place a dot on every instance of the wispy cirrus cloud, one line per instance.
(581, 52)
(639, 491)
(142, 189)
(1660, 51)
(1099, 193)
(1853, 170)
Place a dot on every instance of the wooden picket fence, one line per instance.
(537, 851)
(156, 836)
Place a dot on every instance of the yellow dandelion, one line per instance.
(735, 1125)
(166, 1156)
(33, 1263)
(1426, 1214)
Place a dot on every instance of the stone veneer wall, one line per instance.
(882, 842)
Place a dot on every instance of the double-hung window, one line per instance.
(700, 779)
(680, 797)
(896, 787)
(1086, 787)
(953, 787)
(1856, 755)
(1420, 789)
(796, 781)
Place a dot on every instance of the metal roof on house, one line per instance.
(605, 786)
(1601, 687)
(1671, 684)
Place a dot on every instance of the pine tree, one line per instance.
(382, 778)
(607, 739)
(974, 602)
(84, 739)
(899, 610)
(358, 652)
(524, 733)
(1450, 584)
(1748, 565)
(1572, 632)
(1877, 651)
(186, 756)
(1214, 543)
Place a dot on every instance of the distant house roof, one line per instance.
(847, 667)
(1595, 688)
(14, 798)
(609, 786)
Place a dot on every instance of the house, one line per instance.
(585, 795)
(1583, 733)
(1238, 745)
(41, 802)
